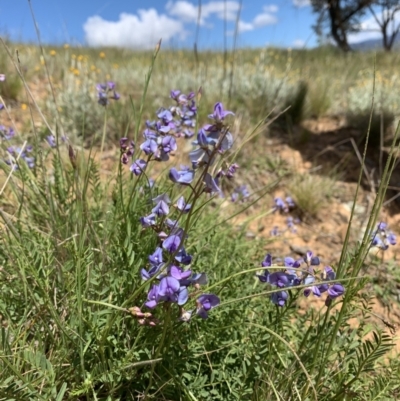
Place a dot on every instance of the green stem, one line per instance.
(167, 322)
(104, 133)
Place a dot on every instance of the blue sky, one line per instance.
(139, 24)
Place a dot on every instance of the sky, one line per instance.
(140, 24)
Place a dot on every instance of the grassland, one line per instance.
(72, 247)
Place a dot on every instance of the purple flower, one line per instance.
(105, 92)
(182, 206)
(279, 298)
(205, 303)
(264, 277)
(280, 205)
(267, 260)
(148, 221)
(51, 140)
(138, 166)
(2, 77)
(183, 257)
(183, 177)
(382, 237)
(211, 184)
(232, 170)
(171, 224)
(6, 134)
(165, 115)
(314, 288)
(178, 273)
(154, 269)
(149, 147)
(168, 144)
(280, 279)
(162, 197)
(219, 112)
(290, 202)
(156, 258)
(174, 94)
(335, 290)
(161, 208)
(311, 260)
(170, 290)
(172, 243)
(275, 231)
(124, 159)
(290, 262)
(153, 297)
(240, 192)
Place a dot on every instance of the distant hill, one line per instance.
(374, 44)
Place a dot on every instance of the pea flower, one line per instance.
(183, 177)
(279, 298)
(138, 166)
(382, 237)
(105, 92)
(205, 303)
(219, 113)
(182, 206)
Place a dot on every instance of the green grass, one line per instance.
(72, 249)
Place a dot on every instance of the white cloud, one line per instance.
(267, 17)
(140, 31)
(299, 43)
(245, 26)
(185, 11)
(271, 8)
(264, 19)
(301, 3)
(369, 29)
(188, 12)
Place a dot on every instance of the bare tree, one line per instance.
(387, 21)
(341, 16)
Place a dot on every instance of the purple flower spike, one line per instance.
(138, 167)
(205, 303)
(219, 113)
(279, 298)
